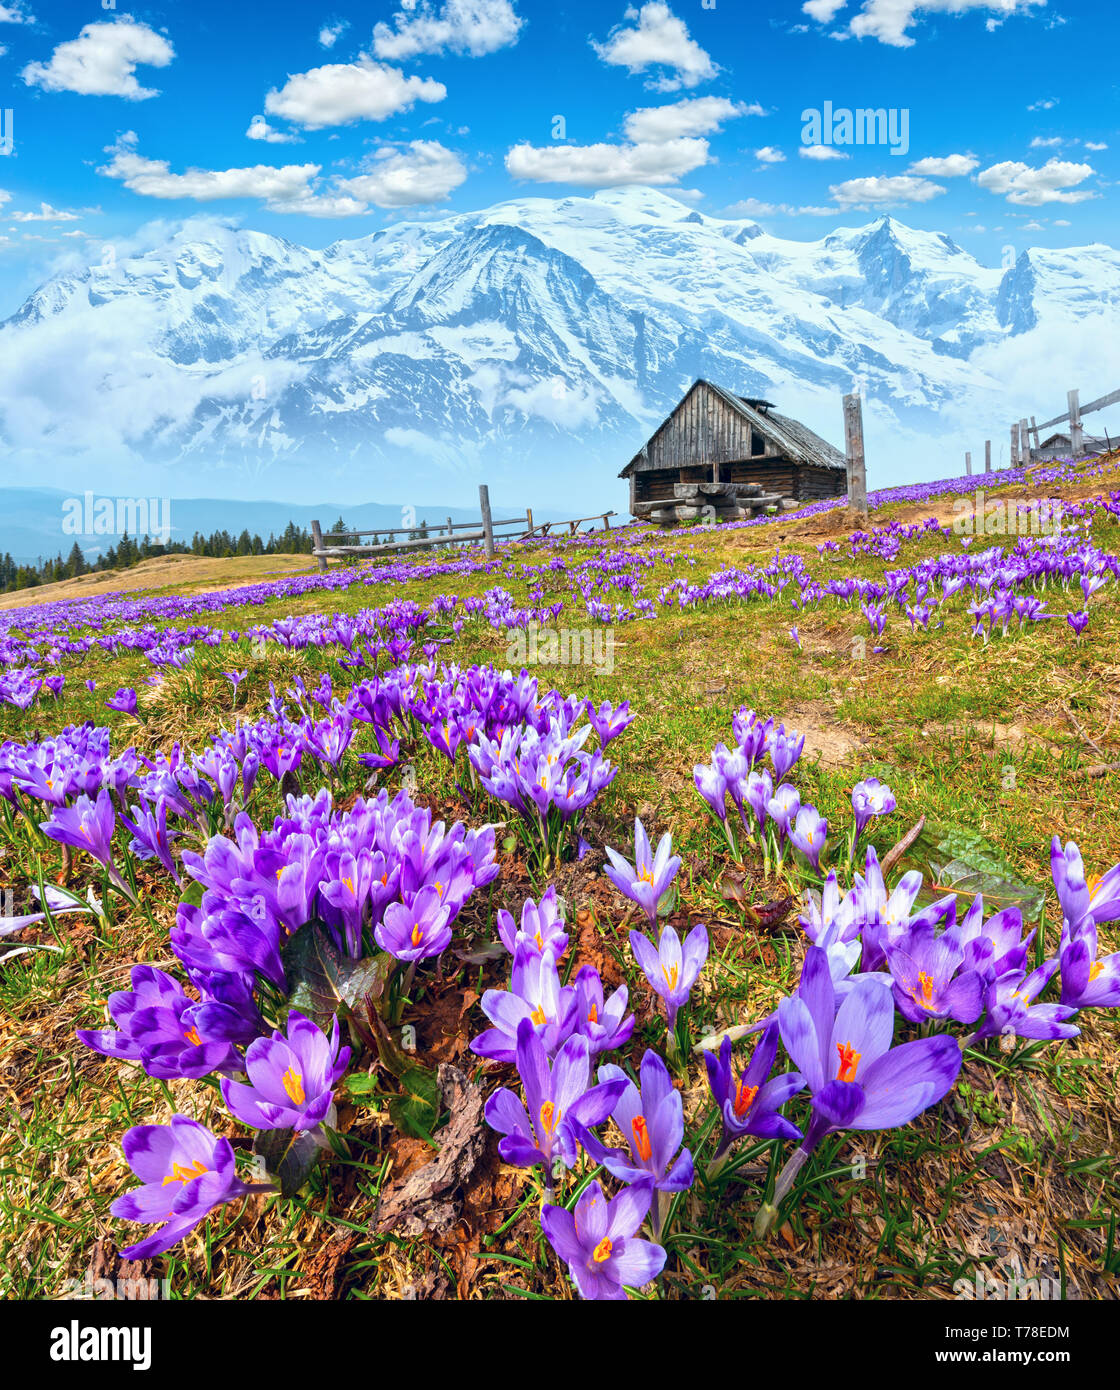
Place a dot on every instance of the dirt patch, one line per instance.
(826, 737)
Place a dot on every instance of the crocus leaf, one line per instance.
(289, 1157)
(416, 1110)
(323, 982)
(957, 859)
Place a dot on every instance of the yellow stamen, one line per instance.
(293, 1084)
(180, 1173)
(925, 990)
(849, 1062)
(1095, 969)
(191, 1036)
(539, 1016)
(603, 1250)
(549, 1117)
(670, 972)
(417, 935)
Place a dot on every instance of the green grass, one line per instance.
(1024, 1143)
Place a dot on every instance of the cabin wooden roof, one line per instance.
(795, 440)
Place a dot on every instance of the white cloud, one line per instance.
(1048, 142)
(888, 20)
(693, 116)
(1053, 183)
(659, 39)
(285, 188)
(821, 152)
(424, 172)
(563, 405)
(339, 93)
(899, 188)
(751, 207)
(823, 11)
(459, 26)
(1043, 104)
(259, 129)
(950, 166)
(769, 155)
(102, 61)
(45, 214)
(1095, 145)
(604, 166)
(330, 34)
(15, 14)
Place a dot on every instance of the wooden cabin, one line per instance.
(733, 454)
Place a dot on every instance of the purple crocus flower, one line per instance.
(1010, 1008)
(1088, 982)
(652, 1120)
(170, 1034)
(291, 1077)
(609, 721)
(124, 701)
(186, 1172)
(928, 980)
(1078, 621)
(560, 1101)
(603, 1022)
(536, 994)
(785, 750)
(541, 927)
(712, 786)
(858, 1081)
(646, 881)
(88, 825)
(749, 1103)
(870, 798)
(418, 931)
(1080, 896)
(671, 969)
(808, 834)
(598, 1241)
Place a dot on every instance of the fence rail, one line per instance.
(445, 533)
(1026, 435)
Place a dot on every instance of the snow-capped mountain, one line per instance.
(533, 345)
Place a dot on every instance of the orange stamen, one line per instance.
(642, 1145)
(744, 1098)
(603, 1250)
(191, 1036)
(849, 1062)
(179, 1173)
(293, 1084)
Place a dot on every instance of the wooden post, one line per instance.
(317, 542)
(1076, 434)
(606, 521)
(529, 519)
(1034, 432)
(857, 468)
(1014, 446)
(968, 465)
(487, 523)
(987, 455)
(1024, 443)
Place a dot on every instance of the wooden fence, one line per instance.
(450, 532)
(1026, 434)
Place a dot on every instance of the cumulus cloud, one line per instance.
(658, 39)
(693, 116)
(821, 152)
(752, 207)
(102, 61)
(45, 214)
(1095, 145)
(285, 188)
(604, 166)
(259, 129)
(769, 155)
(889, 20)
(1055, 182)
(422, 172)
(330, 34)
(567, 407)
(475, 27)
(950, 166)
(876, 191)
(15, 14)
(340, 93)
(1048, 142)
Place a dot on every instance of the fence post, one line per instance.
(487, 523)
(987, 455)
(1024, 443)
(1014, 462)
(857, 468)
(1076, 434)
(317, 541)
(529, 519)
(1034, 432)
(968, 465)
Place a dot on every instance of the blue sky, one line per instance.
(127, 115)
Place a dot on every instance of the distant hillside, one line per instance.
(32, 519)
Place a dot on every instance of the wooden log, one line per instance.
(1014, 462)
(1024, 443)
(487, 522)
(317, 541)
(987, 455)
(1034, 433)
(857, 470)
(968, 465)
